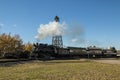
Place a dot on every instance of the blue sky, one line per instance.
(100, 19)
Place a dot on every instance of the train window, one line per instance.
(71, 51)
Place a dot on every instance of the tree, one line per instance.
(113, 49)
(10, 44)
(28, 47)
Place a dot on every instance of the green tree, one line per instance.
(113, 49)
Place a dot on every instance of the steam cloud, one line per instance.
(76, 34)
(73, 33)
(50, 29)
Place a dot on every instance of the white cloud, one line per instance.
(1, 25)
(14, 25)
(74, 40)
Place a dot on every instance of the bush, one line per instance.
(24, 54)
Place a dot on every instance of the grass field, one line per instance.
(61, 70)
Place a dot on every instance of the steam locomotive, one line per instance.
(49, 52)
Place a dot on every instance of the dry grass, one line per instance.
(61, 70)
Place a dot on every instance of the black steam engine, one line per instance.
(52, 52)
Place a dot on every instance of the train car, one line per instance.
(94, 51)
(77, 51)
(110, 53)
(62, 52)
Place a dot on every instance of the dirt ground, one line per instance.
(109, 61)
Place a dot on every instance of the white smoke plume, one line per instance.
(50, 29)
(76, 34)
(73, 33)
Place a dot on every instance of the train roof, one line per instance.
(76, 48)
(94, 48)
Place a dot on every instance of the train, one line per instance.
(45, 51)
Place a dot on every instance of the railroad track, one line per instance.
(13, 60)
